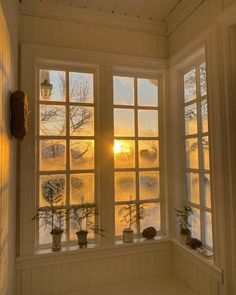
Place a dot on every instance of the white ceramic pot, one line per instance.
(128, 235)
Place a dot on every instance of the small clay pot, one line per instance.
(128, 235)
(82, 238)
(185, 237)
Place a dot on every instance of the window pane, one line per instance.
(81, 154)
(191, 119)
(123, 90)
(81, 87)
(57, 79)
(190, 86)
(205, 148)
(148, 153)
(203, 81)
(82, 188)
(195, 222)
(123, 122)
(207, 190)
(152, 216)
(52, 120)
(52, 155)
(193, 188)
(44, 233)
(124, 153)
(52, 189)
(192, 153)
(208, 229)
(147, 123)
(147, 92)
(204, 115)
(121, 221)
(81, 121)
(125, 186)
(149, 185)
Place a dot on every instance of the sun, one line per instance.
(117, 147)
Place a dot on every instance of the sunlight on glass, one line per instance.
(147, 123)
(147, 92)
(208, 226)
(57, 79)
(191, 119)
(151, 213)
(81, 87)
(81, 188)
(195, 222)
(52, 154)
(192, 153)
(190, 86)
(123, 90)
(124, 186)
(148, 153)
(203, 81)
(207, 190)
(149, 185)
(193, 188)
(52, 120)
(123, 122)
(44, 234)
(81, 121)
(81, 154)
(51, 187)
(124, 153)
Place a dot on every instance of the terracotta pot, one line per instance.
(56, 241)
(82, 238)
(128, 235)
(185, 238)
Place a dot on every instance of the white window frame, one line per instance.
(199, 135)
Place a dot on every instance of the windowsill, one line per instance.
(204, 261)
(72, 252)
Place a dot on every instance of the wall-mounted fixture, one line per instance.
(46, 89)
(18, 114)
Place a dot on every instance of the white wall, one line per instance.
(8, 82)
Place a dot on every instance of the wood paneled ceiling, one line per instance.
(145, 10)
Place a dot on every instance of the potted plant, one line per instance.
(131, 215)
(52, 215)
(183, 220)
(83, 217)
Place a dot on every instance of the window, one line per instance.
(136, 151)
(66, 143)
(197, 160)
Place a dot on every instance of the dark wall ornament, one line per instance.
(18, 114)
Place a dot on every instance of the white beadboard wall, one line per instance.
(72, 272)
(68, 273)
(184, 26)
(81, 35)
(203, 277)
(8, 83)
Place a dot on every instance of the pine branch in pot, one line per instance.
(52, 215)
(185, 226)
(83, 216)
(131, 215)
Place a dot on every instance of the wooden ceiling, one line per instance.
(149, 10)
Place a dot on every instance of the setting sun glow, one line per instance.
(121, 148)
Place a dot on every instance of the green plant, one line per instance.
(83, 216)
(52, 215)
(183, 219)
(132, 213)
